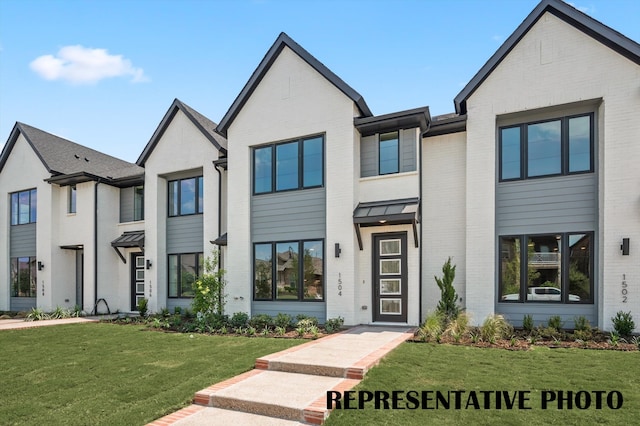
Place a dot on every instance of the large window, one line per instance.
(184, 269)
(389, 153)
(23, 277)
(289, 270)
(555, 147)
(185, 196)
(547, 268)
(24, 207)
(288, 166)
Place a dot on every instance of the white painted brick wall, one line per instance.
(293, 100)
(443, 214)
(556, 64)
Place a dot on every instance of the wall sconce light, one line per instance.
(149, 264)
(40, 266)
(625, 247)
(338, 250)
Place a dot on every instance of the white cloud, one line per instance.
(82, 65)
(497, 38)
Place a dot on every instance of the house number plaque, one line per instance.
(339, 284)
(624, 290)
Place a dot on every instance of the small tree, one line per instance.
(448, 305)
(209, 297)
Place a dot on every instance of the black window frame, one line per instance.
(273, 147)
(32, 218)
(565, 268)
(199, 269)
(397, 139)
(14, 283)
(198, 206)
(274, 273)
(564, 147)
(72, 195)
(138, 213)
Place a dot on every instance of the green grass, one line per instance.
(106, 374)
(449, 368)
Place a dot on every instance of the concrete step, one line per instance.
(349, 354)
(283, 395)
(211, 416)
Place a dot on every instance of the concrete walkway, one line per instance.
(290, 387)
(13, 324)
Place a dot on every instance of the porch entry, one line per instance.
(137, 279)
(390, 277)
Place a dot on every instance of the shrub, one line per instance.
(37, 314)
(239, 319)
(177, 310)
(447, 305)
(307, 325)
(527, 323)
(495, 327)
(459, 326)
(555, 322)
(583, 335)
(581, 323)
(209, 297)
(165, 312)
(283, 320)
(261, 321)
(623, 323)
(143, 306)
(333, 324)
(432, 328)
(302, 317)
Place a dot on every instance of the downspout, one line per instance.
(215, 165)
(95, 246)
(420, 218)
(219, 212)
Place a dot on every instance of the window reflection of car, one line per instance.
(542, 294)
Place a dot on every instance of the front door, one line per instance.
(137, 279)
(390, 277)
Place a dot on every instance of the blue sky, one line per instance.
(104, 72)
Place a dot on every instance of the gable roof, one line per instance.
(62, 157)
(583, 22)
(268, 60)
(206, 126)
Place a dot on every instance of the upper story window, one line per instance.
(297, 164)
(556, 147)
(138, 203)
(185, 196)
(71, 196)
(24, 207)
(389, 153)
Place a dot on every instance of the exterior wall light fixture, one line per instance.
(625, 247)
(149, 264)
(40, 266)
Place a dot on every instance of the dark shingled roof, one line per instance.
(63, 157)
(206, 126)
(593, 28)
(268, 60)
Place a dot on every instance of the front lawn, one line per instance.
(448, 368)
(106, 374)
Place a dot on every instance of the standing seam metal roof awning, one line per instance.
(128, 240)
(387, 212)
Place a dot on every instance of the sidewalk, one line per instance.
(13, 324)
(290, 387)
